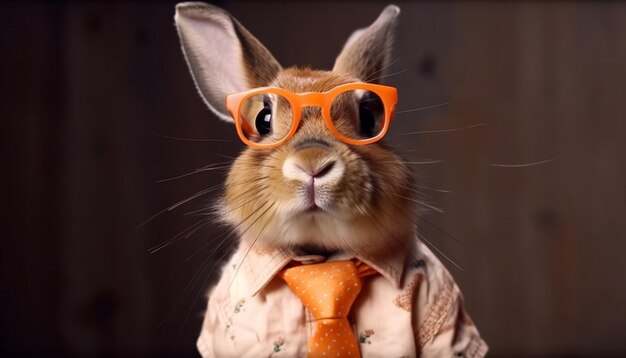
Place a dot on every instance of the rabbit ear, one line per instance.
(367, 52)
(222, 55)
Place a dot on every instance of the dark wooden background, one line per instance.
(90, 90)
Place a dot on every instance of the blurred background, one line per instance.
(526, 134)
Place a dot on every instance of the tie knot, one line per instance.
(327, 289)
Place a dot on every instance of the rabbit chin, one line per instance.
(328, 231)
(331, 233)
(352, 231)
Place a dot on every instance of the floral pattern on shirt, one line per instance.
(278, 344)
(419, 263)
(239, 306)
(364, 337)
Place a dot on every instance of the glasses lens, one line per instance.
(265, 118)
(358, 114)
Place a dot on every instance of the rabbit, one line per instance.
(313, 197)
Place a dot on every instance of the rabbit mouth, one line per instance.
(315, 199)
(309, 206)
(313, 209)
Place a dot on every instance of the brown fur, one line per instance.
(371, 198)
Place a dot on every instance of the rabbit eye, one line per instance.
(370, 115)
(263, 121)
(365, 111)
(366, 121)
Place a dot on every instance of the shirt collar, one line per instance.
(261, 264)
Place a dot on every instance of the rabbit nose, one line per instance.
(324, 169)
(316, 171)
(305, 166)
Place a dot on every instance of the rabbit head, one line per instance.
(314, 191)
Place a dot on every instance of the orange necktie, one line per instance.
(328, 290)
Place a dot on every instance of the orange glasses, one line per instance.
(356, 113)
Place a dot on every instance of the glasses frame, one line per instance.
(324, 100)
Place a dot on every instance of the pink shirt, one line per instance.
(413, 308)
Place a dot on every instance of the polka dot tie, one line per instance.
(328, 290)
